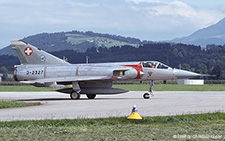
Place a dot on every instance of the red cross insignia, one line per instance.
(28, 51)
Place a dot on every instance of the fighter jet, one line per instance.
(42, 69)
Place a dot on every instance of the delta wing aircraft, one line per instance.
(42, 69)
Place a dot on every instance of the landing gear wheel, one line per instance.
(74, 95)
(91, 96)
(146, 96)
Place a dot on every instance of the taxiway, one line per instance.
(59, 106)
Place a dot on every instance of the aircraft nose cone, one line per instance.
(182, 74)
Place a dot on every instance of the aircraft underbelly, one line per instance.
(102, 91)
(94, 91)
(95, 87)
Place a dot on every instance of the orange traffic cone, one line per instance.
(134, 114)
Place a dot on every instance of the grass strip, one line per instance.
(159, 120)
(207, 126)
(25, 88)
(13, 104)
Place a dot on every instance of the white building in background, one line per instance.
(1, 77)
(190, 81)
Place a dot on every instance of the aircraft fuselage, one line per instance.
(118, 71)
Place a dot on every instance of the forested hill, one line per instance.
(74, 40)
(188, 57)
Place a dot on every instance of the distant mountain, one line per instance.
(214, 34)
(74, 40)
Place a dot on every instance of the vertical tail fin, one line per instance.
(29, 54)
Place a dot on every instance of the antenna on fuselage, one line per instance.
(65, 59)
(180, 66)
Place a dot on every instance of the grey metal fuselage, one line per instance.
(107, 70)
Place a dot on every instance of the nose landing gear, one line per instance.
(149, 94)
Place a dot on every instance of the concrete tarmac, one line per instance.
(59, 106)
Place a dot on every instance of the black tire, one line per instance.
(74, 95)
(91, 96)
(146, 96)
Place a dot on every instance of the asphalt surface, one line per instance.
(59, 106)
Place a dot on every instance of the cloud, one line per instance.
(145, 19)
(153, 14)
(168, 15)
(79, 4)
(175, 8)
(144, 1)
(41, 12)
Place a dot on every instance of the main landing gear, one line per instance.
(149, 94)
(91, 96)
(74, 95)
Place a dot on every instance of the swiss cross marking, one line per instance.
(28, 51)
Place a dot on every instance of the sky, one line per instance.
(153, 20)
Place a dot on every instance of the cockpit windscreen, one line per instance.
(153, 64)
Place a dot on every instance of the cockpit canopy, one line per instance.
(155, 64)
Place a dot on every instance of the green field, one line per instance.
(13, 104)
(185, 127)
(130, 87)
(24, 88)
(99, 41)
